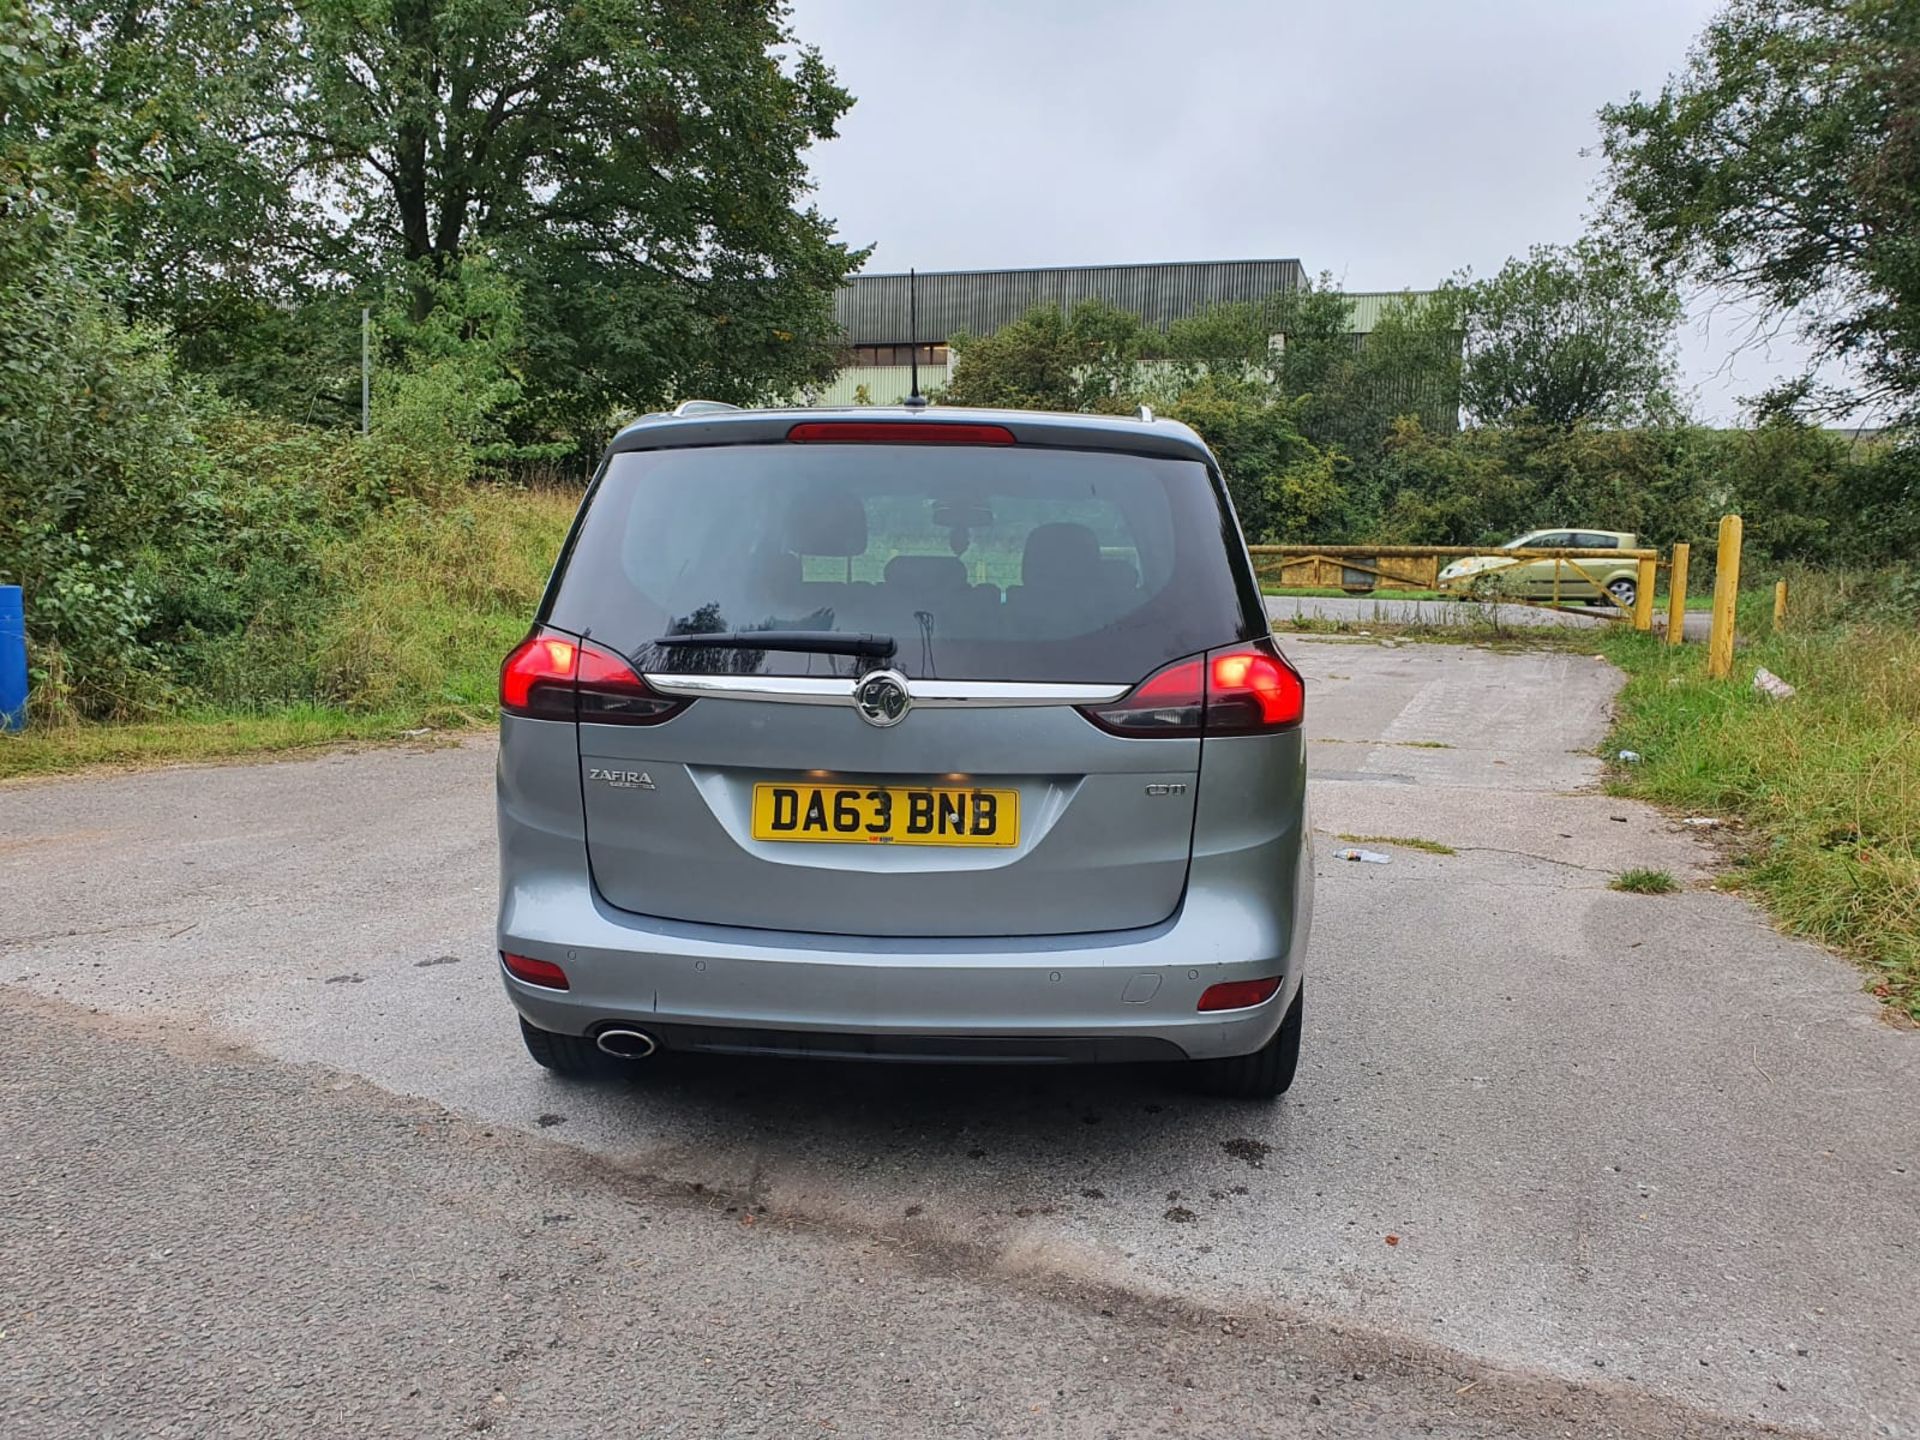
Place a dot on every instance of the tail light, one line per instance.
(1168, 702)
(550, 676)
(1252, 689)
(1245, 690)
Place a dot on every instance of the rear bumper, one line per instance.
(1115, 995)
(912, 1049)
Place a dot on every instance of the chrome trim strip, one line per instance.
(793, 689)
(930, 694)
(1002, 694)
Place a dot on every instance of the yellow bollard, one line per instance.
(1643, 596)
(1779, 606)
(1726, 592)
(1677, 594)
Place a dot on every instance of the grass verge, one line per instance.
(1327, 592)
(1472, 629)
(1324, 592)
(190, 738)
(1827, 783)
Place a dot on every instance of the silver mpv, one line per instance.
(946, 735)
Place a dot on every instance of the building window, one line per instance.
(931, 356)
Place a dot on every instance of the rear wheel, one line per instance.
(563, 1054)
(1267, 1072)
(1624, 592)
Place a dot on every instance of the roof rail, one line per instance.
(702, 407)
(1146, 414)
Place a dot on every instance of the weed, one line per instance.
(1402, 744)
(1644, 882)
(1405, 842)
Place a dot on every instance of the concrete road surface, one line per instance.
(1384, 610)
(1560, 1160)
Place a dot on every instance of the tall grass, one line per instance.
(1827, 782)
(436, 598)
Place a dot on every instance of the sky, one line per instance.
(1390, 143)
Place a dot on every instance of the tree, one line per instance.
(1285, 488)
(1569, 334)
(92, 423)
(1046, 360)
(1490, 483)
(1408, 365)
(637, 169)
(1783, 165)
(1215, 372)
(1350, 387)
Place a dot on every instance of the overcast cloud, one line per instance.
(1390, 142)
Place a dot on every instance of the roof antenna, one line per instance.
(914, 401)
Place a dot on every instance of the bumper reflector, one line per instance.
(540, 972)
(1238, 994)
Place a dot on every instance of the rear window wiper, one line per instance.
(807, 642)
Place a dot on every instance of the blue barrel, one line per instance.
(13, 659)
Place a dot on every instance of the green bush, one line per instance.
(1487, 484)
(95, 432)
(181, 550)
(1284, 487)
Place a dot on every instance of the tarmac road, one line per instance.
(1636, 1156)
(199, 1242)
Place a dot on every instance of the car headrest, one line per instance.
(926, 574)
(776, 572)
(1061, 553)
(827, 522)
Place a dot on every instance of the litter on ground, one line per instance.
(1371, 857)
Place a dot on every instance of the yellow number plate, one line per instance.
(886, 815)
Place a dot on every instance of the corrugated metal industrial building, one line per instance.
(873, 309)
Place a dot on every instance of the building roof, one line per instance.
(873, 309)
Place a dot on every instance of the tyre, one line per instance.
(1624, 592)
(1265, 1074)
(573, 1055)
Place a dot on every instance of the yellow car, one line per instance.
(1597, 581)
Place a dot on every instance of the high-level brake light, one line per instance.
(898, 432)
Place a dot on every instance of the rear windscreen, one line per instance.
(1012, 563)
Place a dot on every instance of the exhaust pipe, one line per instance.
(625, 1044)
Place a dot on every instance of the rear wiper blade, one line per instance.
(809, 642)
